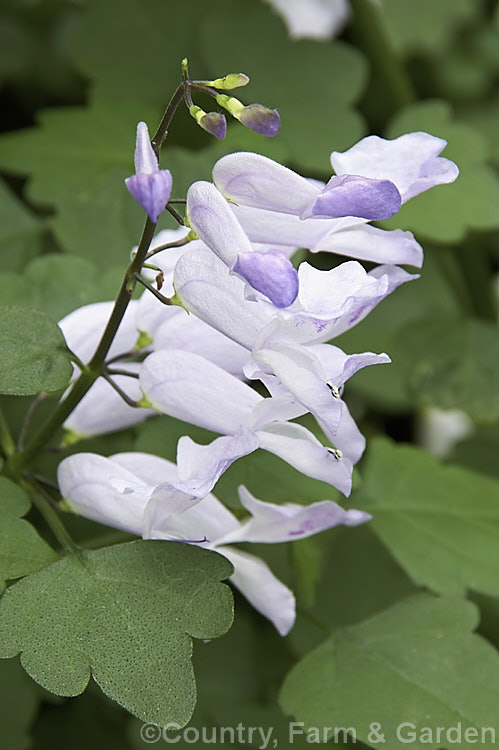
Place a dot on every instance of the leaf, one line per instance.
(124, 614)
(74, 146)
(19, 700)
(142, 61)
(78, 159)
(433, 672)
(448, 212)
(91, 720)
(20, 232)
(441, 523)
(22, 551)
(426, 27)
(33, 356)
(386, 385)
(57, 284)
(452, 363)
(479, 451)
(312, 85)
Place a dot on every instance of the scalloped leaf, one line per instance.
(125, 615)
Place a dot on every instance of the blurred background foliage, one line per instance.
(75, 77)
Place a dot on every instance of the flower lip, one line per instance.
(270, 273)
(353, 195)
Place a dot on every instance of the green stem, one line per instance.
(387, 65)
(476, 275)
(6, 441)
(93, 370)
(55, 524)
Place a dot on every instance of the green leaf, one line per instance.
(74, 146)
(448, 212)
(33, 356)
(426, 26)
(78, 159)
(104, 47)
(57, 284)
(91, 720)
(124, 614)
(452, 363)
(441, 523)
(432, 670)
(479, 452)
(312, 85)
(20, 232)
(19, 700)
(386, 385)
(22, 551)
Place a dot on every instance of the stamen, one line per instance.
(337, 454)
(335, 391)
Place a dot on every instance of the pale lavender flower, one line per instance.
(150, 185)
(136, 492)
(270, 272)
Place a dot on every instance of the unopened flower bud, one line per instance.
(213, 122)
(254, 116)
(230, 81)
(150, 185)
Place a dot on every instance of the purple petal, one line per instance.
(411, 162)
(270, 273)
(350, 195)
(151, 191)
(272, 523)
(260, 119)
(215, 124)
(145, 159)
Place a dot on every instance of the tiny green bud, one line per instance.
(71, 438)
(231, 81)
(143, 340)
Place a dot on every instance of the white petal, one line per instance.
(255, 180)
(348, 438)
(151, 469)
(338, 366)
(262, 589)
(211, 218)
(200, 466)
(313, 19)
(88, 484)
(84, 327)
(301, 372)
(371, 243)
(189, 387)
(300, 448)
(206, 522)
(145, 158)
(272, 523)
(193, 335)
(411, 162)
(207, 289)
(275, 229)
(102, 409)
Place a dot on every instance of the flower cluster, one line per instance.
(239, 312)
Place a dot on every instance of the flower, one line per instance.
(189, 387)
(257, 181)
(150, 185)
(129, 491)
(269, 272)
